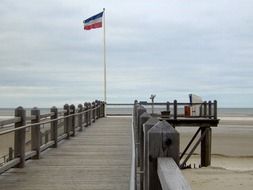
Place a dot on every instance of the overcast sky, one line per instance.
(165, 47)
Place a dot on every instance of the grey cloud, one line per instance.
(170, 48)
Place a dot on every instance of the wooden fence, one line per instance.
(57, 125)
(157, 151)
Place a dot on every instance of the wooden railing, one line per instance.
(156, 142)
(45, 130)
(206, 109)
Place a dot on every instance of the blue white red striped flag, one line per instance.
(93, 22)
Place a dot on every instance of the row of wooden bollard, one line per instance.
(73, 118)
(153, 139)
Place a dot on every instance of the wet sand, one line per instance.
(232, 157)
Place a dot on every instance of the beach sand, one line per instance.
(232, 157)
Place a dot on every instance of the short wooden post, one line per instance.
(175, 109)
(97, 109)
(206, 147)
(140, 111)
(90, 113)
(210, 109)
(10, 154)
(93, 107)
(35, 132)
(205, 109)
(104, 109)
(215, 109)
(41, 136)
(86, 116)
(46, 134)
(72, 119)
(100, 109)
(80, 117)
(54, 126)
(168, 106)
(136, 105)
(19, 143)
(143, 119)
(146, 127)
(66, 120)
(163, 141)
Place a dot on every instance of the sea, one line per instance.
(7, 113)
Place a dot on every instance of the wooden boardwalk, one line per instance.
(97, 159)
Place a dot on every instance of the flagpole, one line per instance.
(105, 98)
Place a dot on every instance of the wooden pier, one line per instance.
(98, 158)
(81, 148)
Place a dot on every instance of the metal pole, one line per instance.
(105, 99)
(104, 58)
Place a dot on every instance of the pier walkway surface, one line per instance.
(97, 158)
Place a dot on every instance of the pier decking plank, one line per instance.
(97, 159)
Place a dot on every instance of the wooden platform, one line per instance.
(97, 159)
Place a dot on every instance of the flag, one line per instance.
(93, 22)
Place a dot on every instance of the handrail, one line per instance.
(91, 112)
(10, 121)
(119, 104)
(171, 103)
(47, 115)
(133, 163)
(45, 122)
(170, 175)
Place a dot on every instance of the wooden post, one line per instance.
(54, 126)
(210, 109)
(175, 109)
(140, 111)
(163, 141)
(101, 109)
(206, 147)
(93, 106)
(66, 121)
(104, 109)
(143, 119)
(41, 135)
(205, 109)
(86, 116)
(46, 134)
(136, 105)
(168, 106)
(19, 143)
(10, 154)
(98, 109)
(90, 113)
(35, 132)
(146, 126)
(215, 109)
(80, 117)
(72, 119)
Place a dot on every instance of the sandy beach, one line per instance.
(232, 157)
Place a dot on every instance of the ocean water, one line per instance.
(6, 113)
